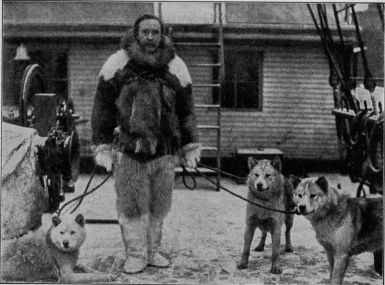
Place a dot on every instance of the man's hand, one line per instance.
(104, 156)
(191, 155)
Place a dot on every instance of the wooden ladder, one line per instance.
(218, 45)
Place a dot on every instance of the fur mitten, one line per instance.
(191, 155)
(104, 156)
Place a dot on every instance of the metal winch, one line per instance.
(59, 157)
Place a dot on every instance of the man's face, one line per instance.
(149, 35)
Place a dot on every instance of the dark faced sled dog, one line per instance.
(268, 187)
(344, 226)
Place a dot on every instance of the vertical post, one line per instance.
(221, 81)
(159, 6)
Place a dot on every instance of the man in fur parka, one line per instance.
(143, 120)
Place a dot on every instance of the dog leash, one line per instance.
(85, 192)
(185, 174)
(185, 171)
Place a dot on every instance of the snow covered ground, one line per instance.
(203, 236)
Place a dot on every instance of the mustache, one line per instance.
(150, 43)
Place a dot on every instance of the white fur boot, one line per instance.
(154, 241)
(134, 233)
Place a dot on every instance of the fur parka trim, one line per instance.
(178, 68)
(115, 62)
(158, 59)
(131, 50)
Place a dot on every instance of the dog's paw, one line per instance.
(259, 248)
(242, 265)
(275, 269)
(288, 248)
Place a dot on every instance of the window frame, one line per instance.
(261, 54)
(51, 75)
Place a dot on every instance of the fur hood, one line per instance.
(160, 58)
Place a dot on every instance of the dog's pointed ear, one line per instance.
(277, 163)
(252, 162)
(294, 180)
(322, 183)
(80, 220)
(56, 220)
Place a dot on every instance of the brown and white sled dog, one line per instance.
(344, 226)
(49, 254)
(268, 187)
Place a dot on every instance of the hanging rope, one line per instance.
(347, 62)
(369, 82)
(331, 60)
(337, 19)
(329, 39)
(337, 70)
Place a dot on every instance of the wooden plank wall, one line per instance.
(84, 64)
(297, 101)
(297, 105)
(296, 114)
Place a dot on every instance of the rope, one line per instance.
(185, 174)
(231, 192)
(327, 51)
(223, 172)
(335, 64)
(327, 35)
(338, 26)
(369, 82)
(85, 193)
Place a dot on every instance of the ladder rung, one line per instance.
(206, 85)
(207, 106)
(204, 65)
(208, 127)
(196, 44)
(209, 148)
